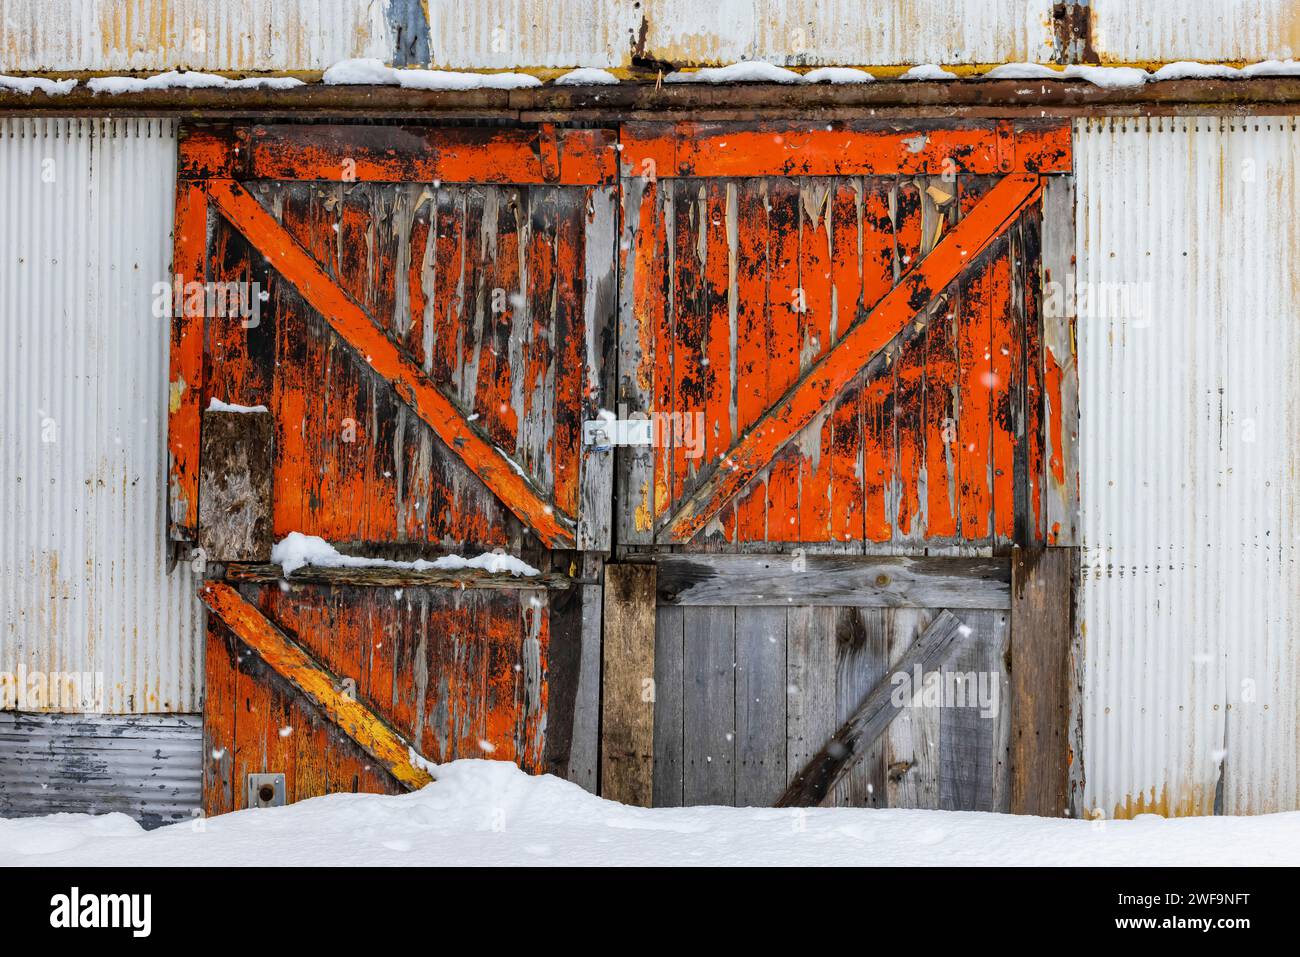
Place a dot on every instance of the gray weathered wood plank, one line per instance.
(870, 719)
(862, 643)
(967, 732)
(810, 670)
(1061, 513)
(627, 710)
(584, 749)
(838, 580)
(669, 650)
(600, 307)
(709, 706)
(912, 740)
(760, 705)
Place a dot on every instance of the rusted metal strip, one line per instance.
(862, 345)
(186, 360)
(885, 99)
(393, 154)
(853, 149)
(292, 663)
(411, 384)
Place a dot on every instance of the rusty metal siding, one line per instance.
(1190, 415)
(503, 34)
(828, 32)
(146, 766)
(122, 35)
(1206, 30)
(83, 379)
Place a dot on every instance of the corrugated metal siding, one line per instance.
(83, 392)
(501, 34)
(1206, 30)
(193, 34)
(827, 32)
(1190, 438)
(147, 766)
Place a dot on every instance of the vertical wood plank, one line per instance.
(599, 310)
(862, 645)
(642, 305)
(190, 239)
(966, 735)
(584, 748)
(220, 669)
(1042, 621)
(1060, 361)
(760, 705)
(810, 670)
(912, 739)
(627, 718)
(235, 486)
(709, 706)
(669, 623)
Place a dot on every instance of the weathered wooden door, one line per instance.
(418, 319)
(835, 332)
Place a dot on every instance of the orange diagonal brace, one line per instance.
(357, 721)
(356, 328)
(864, 340)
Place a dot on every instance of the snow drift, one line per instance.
(491, 813)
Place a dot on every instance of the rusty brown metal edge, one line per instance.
(628, 101)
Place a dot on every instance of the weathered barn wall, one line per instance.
(83, 394)
(1190, 408)
(124, 35)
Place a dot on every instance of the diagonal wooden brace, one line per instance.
(351, 322)
(296, 666)
(847, 746)
(864, 343)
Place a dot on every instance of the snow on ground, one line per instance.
(491, 813)
(296, 550)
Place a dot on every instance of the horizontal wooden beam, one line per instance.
(828, 767)
(379, 576)
(814, 148)
(351, 322)
(296, 666)
(859, 348)
(388, 154)
(834, 580)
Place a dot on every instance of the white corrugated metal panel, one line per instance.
(1190, 436)
(87, 207)
(123, 35)
(1206, 30)
(827, 32)
(503, 34)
